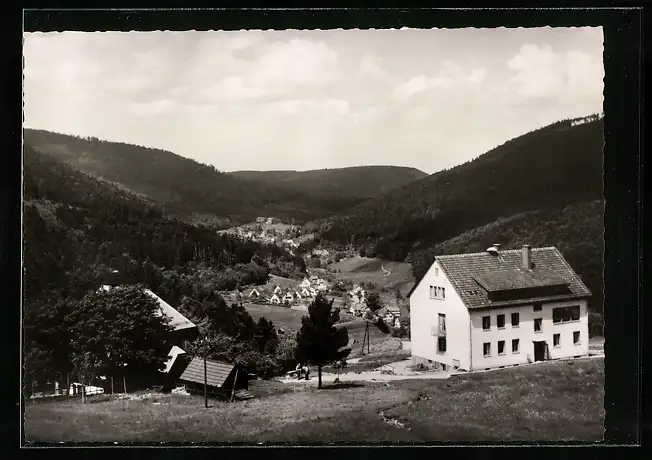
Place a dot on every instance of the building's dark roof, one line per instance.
(549, 266)
(216, 372)
(519, 278)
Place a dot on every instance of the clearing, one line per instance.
(544, 402)
(283, 317)
(385, 274)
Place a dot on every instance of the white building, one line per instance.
(498, 308)
(275, 299)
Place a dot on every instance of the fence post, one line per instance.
(124, 383)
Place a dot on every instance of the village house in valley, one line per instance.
(184, 331)
(498, 308)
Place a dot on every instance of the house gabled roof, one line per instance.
(216, 372)
(177, 320)
(172, 358)
(474, 275)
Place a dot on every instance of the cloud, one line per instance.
(477, 75)
(318, 107)
(371, 67)
(148, 109)
(449, 74)
(419, 84)
(542, 73)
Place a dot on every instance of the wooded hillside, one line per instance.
(542, 188)
(195, 191)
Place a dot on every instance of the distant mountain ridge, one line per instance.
(356, 182)
(185, 187)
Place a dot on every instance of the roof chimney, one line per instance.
(527, 256)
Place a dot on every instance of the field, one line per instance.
(544, 402)
(283, 317)
(385, 274)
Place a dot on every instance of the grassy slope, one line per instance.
(546, 402)
(283, 317)
(365, 270)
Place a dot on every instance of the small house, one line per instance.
(277, 290)
(391, 314)
(275, 299)
(305, 293)
(254, 294)
(222, 379)
(174, 366)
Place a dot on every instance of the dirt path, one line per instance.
(400, 368)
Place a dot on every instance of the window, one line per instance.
(501, 347)
(537, 324)
(437, 292)
(441, 344)
(486, 349)
(436, 271)
(515, 344)
(537, 307)
(442, 322)
(555, 340)
(515, 319)
(566, 314)
(486, 323)
(500, 321)
(576, 337)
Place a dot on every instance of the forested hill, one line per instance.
(354, 183)
(550, 168)
(187, 188)
(77, 229)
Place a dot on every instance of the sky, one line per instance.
(303, 99)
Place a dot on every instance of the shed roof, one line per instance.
(468, 272)
(216, 372)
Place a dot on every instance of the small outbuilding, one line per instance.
(223, 379)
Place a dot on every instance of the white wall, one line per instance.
(525, 332)
(424, 313)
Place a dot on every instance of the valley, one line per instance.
(244, 254)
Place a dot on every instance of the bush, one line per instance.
(399, 332)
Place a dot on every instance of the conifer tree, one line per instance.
(319, 342)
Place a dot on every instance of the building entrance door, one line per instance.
(539, 351)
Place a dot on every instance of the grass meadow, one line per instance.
(544, 402)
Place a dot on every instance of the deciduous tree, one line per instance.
(121, 326)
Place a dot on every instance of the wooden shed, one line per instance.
(222, 378)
